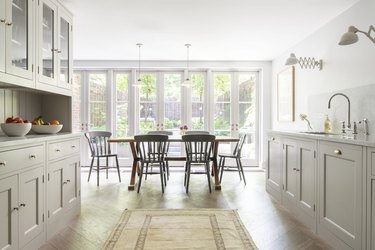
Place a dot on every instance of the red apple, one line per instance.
(18, 120)
(26, 121)
(9, 120)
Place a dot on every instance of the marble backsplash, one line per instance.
(362, 100)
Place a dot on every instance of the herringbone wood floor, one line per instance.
(270, 226)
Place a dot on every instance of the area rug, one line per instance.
(180, 229)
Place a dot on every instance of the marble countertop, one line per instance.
(6, 141)
(359, 139)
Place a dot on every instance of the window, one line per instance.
(222, 86)
(97, 101)
(197, 101)
(147, 102)
(172, 101)
(122, 104)
(76, 102)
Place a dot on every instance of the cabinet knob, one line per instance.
(273, 138)
(2, 20)
(297, 169)
(73, 146)
(22, 205)
(3, 163)
(32, 156)
(15, 209)
(338, 152)
(57, 150)
(67, 180)
(65, 183)
(9, 24)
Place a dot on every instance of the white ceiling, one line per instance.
(217, 29)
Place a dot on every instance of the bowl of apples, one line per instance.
(39, 126)
(16, 127)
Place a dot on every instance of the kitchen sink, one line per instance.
(317, 133)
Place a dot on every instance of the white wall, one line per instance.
(344, 67)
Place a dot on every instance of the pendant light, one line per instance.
(187, 82)
(139, 82)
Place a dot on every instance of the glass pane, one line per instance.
(122, 118)
(222, 85)
(19, 34)
(247, 113)
(148, 107)
(122, 82)
(48, 42)
(172, 101)
(76, 102)
(64, 53)
(197, 100)
(97, 99)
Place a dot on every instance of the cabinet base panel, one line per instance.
(56, 226)
(36, 242)
(275, 194)
(331, 239)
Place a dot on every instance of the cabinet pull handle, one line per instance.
(58, 51)
(294, 169)
(2, 20)
(65, 183)
(22, 205)
(15, 209)
(338, 152)
(3, 163)
(67, 180)
(32, 156)
(9, 24)
(57, 150)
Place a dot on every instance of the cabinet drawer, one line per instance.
(15, 159)
(62, 148)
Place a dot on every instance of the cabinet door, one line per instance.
(306, 173)
(47, 45)
(71, 182)
(55, 190)
(31, 197)
(340, 189)
(372, 216)
(8, 213)
(65, 58)
(274, 166)
(19, 38)
(290, 170)
(2, 35)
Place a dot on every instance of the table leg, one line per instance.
(135, 167)
(215, 166)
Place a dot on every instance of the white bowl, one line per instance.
(46, 129)
(16, 129)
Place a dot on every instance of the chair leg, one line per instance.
(167, 167)
(238, 168)
(92, 163)
(208, 176)
(140, 177)
(243, 174)
(97, 170)
(147, 170)
(118, 169)
(185, 176)
(165, 174)
(222, 169)
(161, 177)
(106, 165)
(188, 177)
(219, 166)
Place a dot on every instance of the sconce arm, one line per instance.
(368, 33)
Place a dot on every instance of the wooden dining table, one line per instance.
(135, 165)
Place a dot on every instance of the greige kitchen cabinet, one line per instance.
(274, 167)
(340, 194)
(370, 198)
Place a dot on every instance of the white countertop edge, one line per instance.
(6, 141)
(360, 139)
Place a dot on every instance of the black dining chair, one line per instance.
(194, 132)
(199, 150)
(151, 150)
(235, 155)
(101, 148)
(161, 132)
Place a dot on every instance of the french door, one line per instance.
(224, 103)
(235, 111)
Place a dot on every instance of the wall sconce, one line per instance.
(305, 62)
(351, 37)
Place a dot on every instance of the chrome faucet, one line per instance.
(347, 98)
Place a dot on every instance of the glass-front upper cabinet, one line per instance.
(47, 69)
(65, 59)
(2, 35)
(19, 31)
(55, 45)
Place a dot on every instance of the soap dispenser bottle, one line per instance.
(327, 125)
